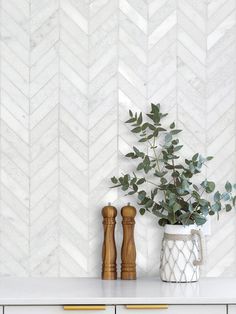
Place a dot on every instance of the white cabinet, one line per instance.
(231, 309)
(173, 309)
(120, 309)
(59, 309)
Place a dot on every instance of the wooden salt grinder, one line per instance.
(109, 247)
(128, 250)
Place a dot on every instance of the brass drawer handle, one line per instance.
(147, 307)
(84, 307)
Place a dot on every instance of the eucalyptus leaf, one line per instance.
(131, 155)
(172, 126)
(217, 196)
(114, 180)
(228, 186)
(142, 211)
(209, 158)
(141, 195)
(174, 132)
(137, 130)
(141, 181)
(140, 119)
(142, 140)
(168, 137)
(199, 219)
(160, 174)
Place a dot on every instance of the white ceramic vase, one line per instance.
(181, 254)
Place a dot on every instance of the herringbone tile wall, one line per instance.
(70, 70)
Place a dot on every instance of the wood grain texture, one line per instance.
(109, 246)
(128, 250)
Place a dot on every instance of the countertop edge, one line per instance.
(72, 291)
(115, 301)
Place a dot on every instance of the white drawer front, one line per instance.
(232, 309)
(177, 309)
(56, 310)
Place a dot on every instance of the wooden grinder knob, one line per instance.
(128, 250)
(109, 247)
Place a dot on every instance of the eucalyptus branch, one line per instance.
(180, 204)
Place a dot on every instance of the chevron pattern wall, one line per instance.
(69, 71)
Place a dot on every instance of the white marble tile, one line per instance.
(70, 70)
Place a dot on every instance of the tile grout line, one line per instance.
(235, 88)
(29, 135)
(235, 103)
(147, 102)
(206, 107)
(1, 216)
(88, 132)
(58, 145)
(206, 87)
(118, 230)
(176, 60)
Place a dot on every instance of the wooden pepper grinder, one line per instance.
(109, 247)
(128, 250)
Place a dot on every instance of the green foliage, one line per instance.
(173, 197)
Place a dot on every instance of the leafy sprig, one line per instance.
(166, 186)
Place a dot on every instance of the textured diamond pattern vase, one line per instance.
(182, 253)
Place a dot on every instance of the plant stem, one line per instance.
(173, 164)
(152, 183)
(157, 161)
(198, 203)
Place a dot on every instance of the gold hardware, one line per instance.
(84, 307)
(147, 307)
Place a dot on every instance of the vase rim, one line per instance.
(179, 229)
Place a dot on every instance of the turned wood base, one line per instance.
(128, 276)
(109, 276)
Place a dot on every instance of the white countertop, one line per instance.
(61, 291)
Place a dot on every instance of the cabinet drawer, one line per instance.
(172, 309)
(232, 309)
(73, 309)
